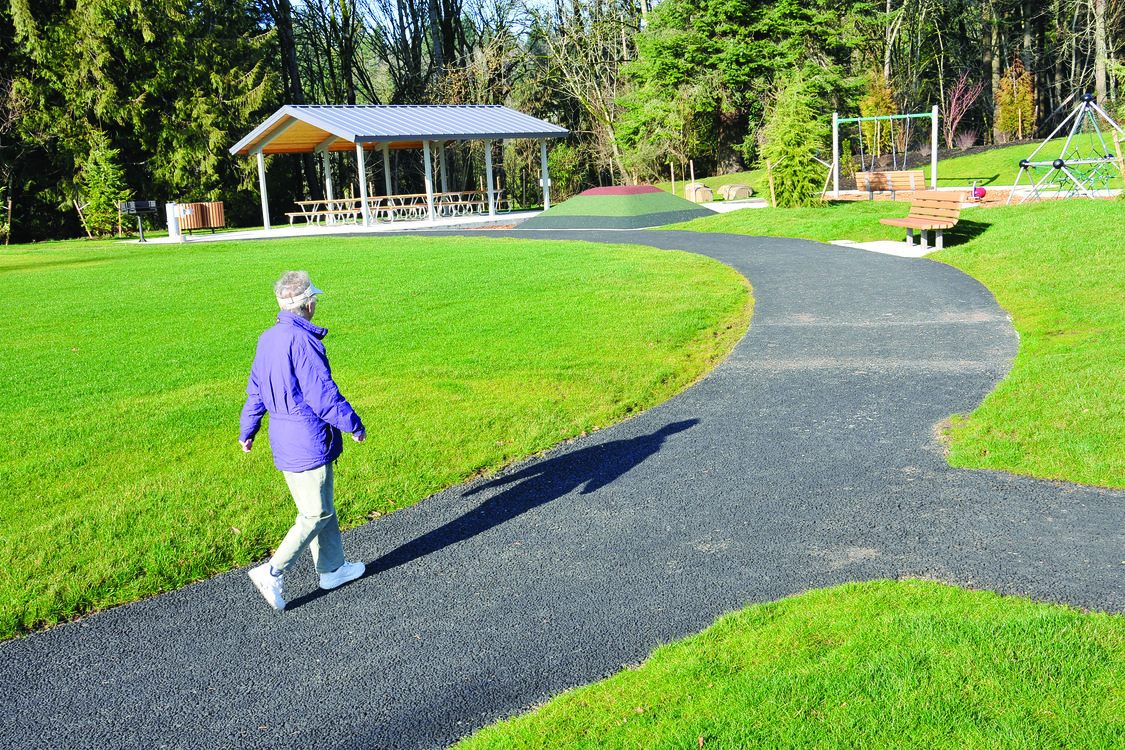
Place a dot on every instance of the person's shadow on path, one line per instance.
(540, 483)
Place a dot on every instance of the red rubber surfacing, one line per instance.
(622, 190)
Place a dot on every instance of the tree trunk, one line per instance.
(997, 60)
(1099, 51)
(730, 127)
(438, 47)
(281, 11)
(1060, 57)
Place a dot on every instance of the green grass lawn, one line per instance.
(1057, 267)
(1001, 166)
(621, 205)
(916, 664)
(755, 178)
(995, 167)
(122, 427)
(125, 368)
(876, 665)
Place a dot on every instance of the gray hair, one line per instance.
(291, 289)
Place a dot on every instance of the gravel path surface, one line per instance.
(805, 460)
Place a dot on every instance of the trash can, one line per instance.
(205, 215)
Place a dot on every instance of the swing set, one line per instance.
(837, 121)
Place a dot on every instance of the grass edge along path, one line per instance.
(882, 664)
(1056, 267)
(462, 355)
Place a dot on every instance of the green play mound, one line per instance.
(633, 207)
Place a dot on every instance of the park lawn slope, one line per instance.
(126, 367)
(852, 220)
(872, 665)
(1057, 267)
(1001, 166)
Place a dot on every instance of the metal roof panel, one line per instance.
(391, 123)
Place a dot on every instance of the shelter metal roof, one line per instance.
(300, 128)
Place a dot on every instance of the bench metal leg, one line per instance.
(910, 237)
(938, 239)
(923, 233)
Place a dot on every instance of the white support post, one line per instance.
(546, 177)
(441, 166)
(933, 146)
(835, 155)
(429, 180)
(327, 176)
(387, 166)
(488, 175)
(361, 167)
(262, 188)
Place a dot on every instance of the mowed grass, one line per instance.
(992, 168)
(1057, 267)
(916, 664)
(620, 205)
(1001, 166)
(851, 220)
(755, 178)
(874, 665)
(125, 370)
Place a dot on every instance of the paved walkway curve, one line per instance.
(806, 459)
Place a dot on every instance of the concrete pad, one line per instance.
(723, 207)
(318, 230)
(889, 247)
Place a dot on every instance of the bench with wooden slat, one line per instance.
(930, 211)
(890, 181)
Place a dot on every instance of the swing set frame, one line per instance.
(837, 121)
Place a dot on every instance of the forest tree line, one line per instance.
(143, 98)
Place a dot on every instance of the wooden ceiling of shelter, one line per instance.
(301, 136)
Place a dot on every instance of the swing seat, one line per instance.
(890, 181)
(930, 211)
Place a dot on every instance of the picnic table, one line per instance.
(336, 210)
(402, 207)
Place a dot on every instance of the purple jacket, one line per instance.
(290, 379)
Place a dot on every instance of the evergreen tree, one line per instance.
(723, 58)
(792, 137)
(101, 185)
(169, 83)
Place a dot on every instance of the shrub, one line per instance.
(566, 168)
(1015, 102)
(966, 139)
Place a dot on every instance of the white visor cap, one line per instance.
(309, 293)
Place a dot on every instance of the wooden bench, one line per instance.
(892, 182)
(930, 211)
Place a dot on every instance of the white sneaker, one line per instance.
(269, 585)
(349, 571)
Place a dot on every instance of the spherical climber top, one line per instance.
(1024, 164)
(1058, 164)
(1088, 97)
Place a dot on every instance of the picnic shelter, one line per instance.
(325, 129)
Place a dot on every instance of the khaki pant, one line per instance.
(316, 525)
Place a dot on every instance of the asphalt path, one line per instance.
(806, 459)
